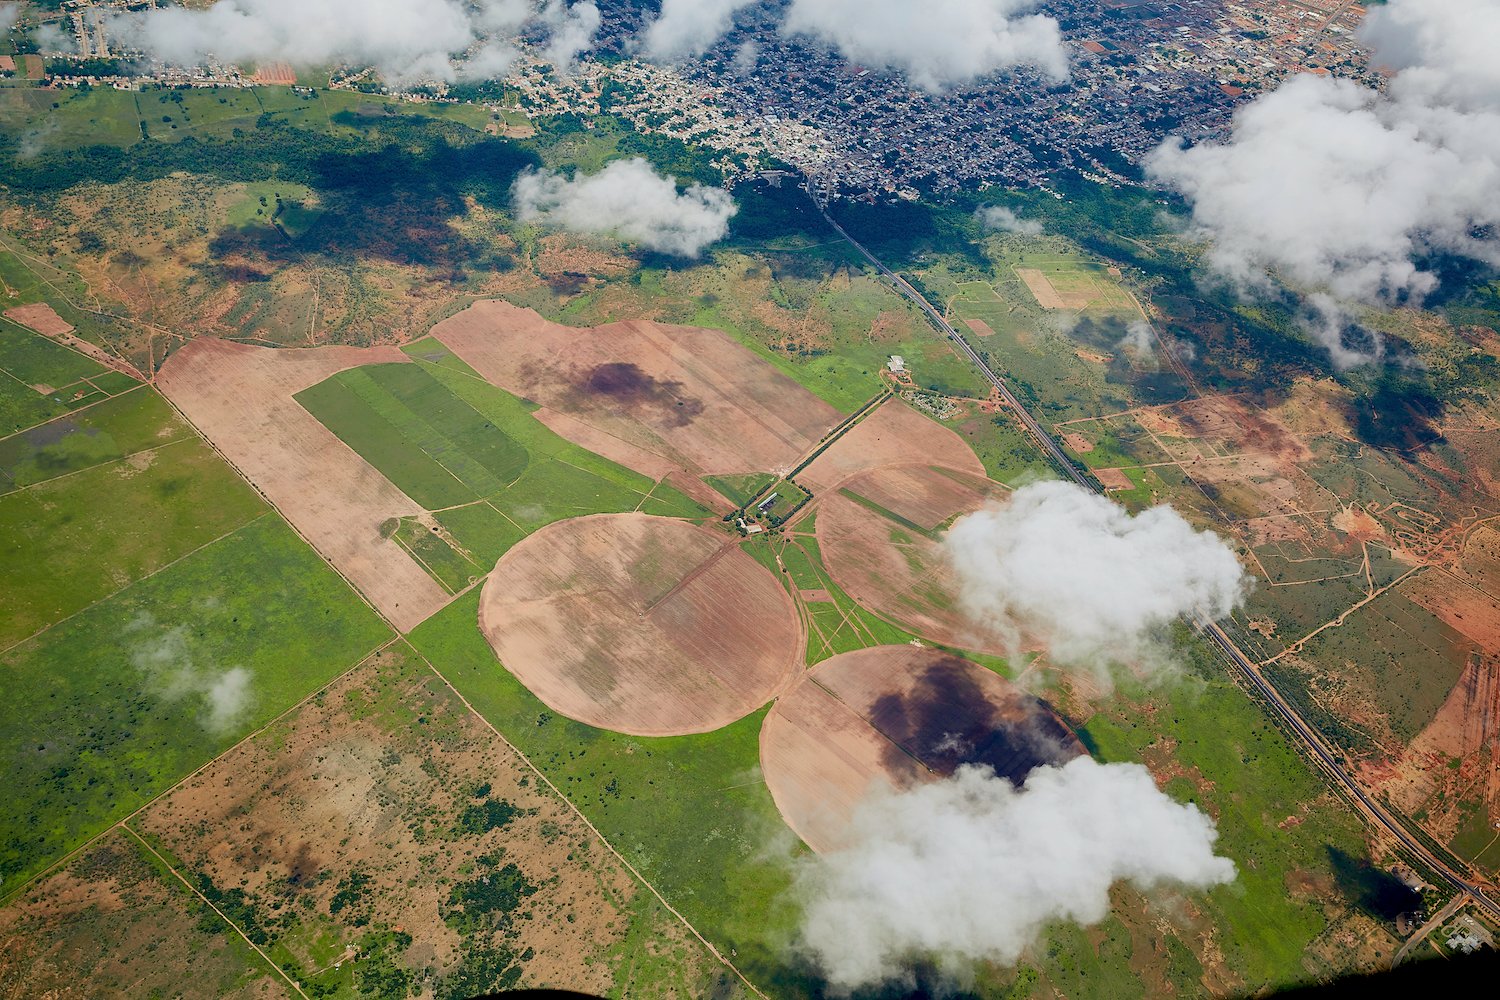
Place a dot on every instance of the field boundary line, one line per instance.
(116, 593)
(592, 828)
(8, 897)
(98, 465)
(70, 413)
(206, 902)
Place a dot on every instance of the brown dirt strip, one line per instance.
(41, 317)
(691, 396)
(240, 398)
(1041, 289)
(642, 625)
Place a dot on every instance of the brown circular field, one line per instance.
(878, 534)
(643, 625)
(891, 717)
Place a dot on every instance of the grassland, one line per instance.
(41, 379)
(111, 706)
(691, 813)
(103, 499)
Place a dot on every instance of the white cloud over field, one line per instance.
(10, 13)
(1000, 219)
(629, 199)
(1336, 188)
(937, 44)
(687, 28)
(969, 869)
(406, 40)
(1073, 569)
(170, 672)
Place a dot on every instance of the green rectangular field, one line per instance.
(433, 445)
(110, 707)
(103, 499)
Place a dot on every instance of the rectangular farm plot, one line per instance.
(113, 705)
(435, 447)
(40, 379)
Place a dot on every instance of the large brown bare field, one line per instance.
(111, 923)
(692, 396)
(889, 717)
(893, 570)
(40, 317)
(642, 625)
(240, 398)
(601, 442)
(895, 434)
(388, 779)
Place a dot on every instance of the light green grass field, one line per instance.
(111, 706)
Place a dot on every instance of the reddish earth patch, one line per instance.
(240, 398)
(642, 625)
(980, 327)
(895, 569)
(692, 397)
(40, 317)
(894, 434)
(888, 718)
(1113, 479)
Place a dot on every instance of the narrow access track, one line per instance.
(1366, 803)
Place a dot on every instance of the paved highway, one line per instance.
(1372, 809)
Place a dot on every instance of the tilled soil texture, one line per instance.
(641, 625)
(880, 536)
(691, 396)
(240, 397)
(886, 718)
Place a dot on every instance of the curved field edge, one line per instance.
(113, 706)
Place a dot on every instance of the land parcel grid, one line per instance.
(382, 839)
(241, 398)
(40, 378)
(91, 502)
(111, 706)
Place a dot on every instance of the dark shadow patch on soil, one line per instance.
(948, 720)
(625, 385)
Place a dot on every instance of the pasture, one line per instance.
(111, 706)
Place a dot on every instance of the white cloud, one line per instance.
(969, 869)
(1138, 339)
(167, 666)
(50, 37)
(629, 199)
(1334, 187)
(9, 14)
(1002, 219)
(571, 31)
(1098, 586)
(938, 44)
(405, 40)
(687, 28)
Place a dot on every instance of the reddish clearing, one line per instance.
(889, 717)
(980, 327)
(1113, 479)
(40, 317)
(692, 397)
(240, 398)
(642, 625)
(892, 569)
(894, 434)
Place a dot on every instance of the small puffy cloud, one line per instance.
(10, 13)
(571, 29)
(1096, 585)
(1339, 189)
(687, 28)
(998, 218)
(1138, 339)
(169, 671)
(629, 199)
(970, 869)
(938, 44)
